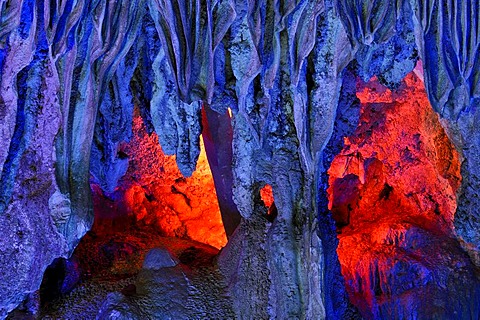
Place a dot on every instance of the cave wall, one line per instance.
(71, 72)
(447, 36)
(154, 195)
(55, 58)
(392, 192)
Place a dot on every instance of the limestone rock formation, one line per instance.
(392, 195)
(72, 73)
(448, 41)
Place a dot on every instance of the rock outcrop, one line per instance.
(393, 196)
(72, 71)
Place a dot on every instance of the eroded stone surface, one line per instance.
(393, 195)
(278, 65)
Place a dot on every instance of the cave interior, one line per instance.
(314, 159)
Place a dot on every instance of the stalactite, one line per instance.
(190, 32)
(101, 48)
(177, 123)
(10, 13)
(368, 22)
(114, 126)
(449, 42)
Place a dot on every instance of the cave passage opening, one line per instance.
(154, 194)
(392, 193)
(152, 206)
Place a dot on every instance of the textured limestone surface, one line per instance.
(154, 193)
(50, 88)
(392, 194)
(114, 280)
(72, 71)
(448, 39)
(30, 118)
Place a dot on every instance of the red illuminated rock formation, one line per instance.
(266, 193)
(399, 160)
(392, 194)
(154, 193)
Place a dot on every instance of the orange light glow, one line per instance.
(266, 193)
(154, 193)
(399, 161)
(391, 187)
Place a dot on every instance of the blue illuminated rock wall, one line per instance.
(72, 72)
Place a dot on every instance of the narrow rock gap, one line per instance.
(266, 194)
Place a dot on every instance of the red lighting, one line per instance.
(154, 193)
(266, 193)
(392, 192)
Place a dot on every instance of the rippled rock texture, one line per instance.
(73, 71)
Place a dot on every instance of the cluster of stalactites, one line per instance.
(448, 37)
(168, 57)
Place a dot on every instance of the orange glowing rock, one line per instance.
(266, 193)
(401, 157)
(154, 193)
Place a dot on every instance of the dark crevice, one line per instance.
(16, 145)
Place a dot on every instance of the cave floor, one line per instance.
(115, 284)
